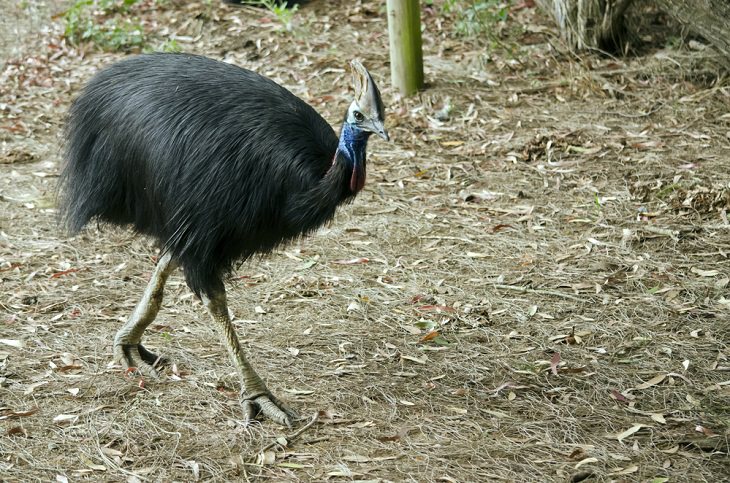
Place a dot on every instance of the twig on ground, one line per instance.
(294, 435)
(518, 288)
(673, 234)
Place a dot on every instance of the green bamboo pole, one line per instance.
(406, 57)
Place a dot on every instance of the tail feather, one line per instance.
(90, 186)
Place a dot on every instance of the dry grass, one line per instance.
(564, 230)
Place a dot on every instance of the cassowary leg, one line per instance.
(256, 397)
(128, 350)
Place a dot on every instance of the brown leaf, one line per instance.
(430, 336)
(71, 367)
(66, 272)
(500, 227)
(9, 414)
(17, 431)
(327, 416)
(227, 391)
(577, 454)
(618, 396)
(706, 431)
(554, 363)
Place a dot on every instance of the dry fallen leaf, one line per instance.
(554, 361)
(431, 335)
(65, 418)
(422, 360)
(704, 273)
(674, 449)
(17, 431)
(619, 397)
(633, 429)
(111, 452)
(706, 431)
(9, 414)
(32, 387)
(299, 392)
(652, 382)
(625, 471)
(352, 261)
(12, 342)
(356, 458)
(659, 418)
(585, 462)
(477, 255)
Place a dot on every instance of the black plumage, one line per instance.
(215, 162)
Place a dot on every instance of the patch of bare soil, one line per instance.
(532, 286)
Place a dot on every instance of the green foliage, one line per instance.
(477, 17)
(170, 45)
(284, 14)
(107, 24)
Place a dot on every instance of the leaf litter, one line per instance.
(572, 256)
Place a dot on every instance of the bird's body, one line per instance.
(216, 162)
(185, 163)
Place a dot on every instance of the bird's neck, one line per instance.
(351, 149)
(353, 142)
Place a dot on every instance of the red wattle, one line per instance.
(357, 180)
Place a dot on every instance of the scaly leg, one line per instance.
(128, 350)
(256, 397)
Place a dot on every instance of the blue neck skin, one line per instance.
(353, 142)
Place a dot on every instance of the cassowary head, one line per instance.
(366, 112)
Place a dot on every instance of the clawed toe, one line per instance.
(135, 356)
(268, 405)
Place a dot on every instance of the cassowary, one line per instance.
(216, 163)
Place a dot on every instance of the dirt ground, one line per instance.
(533, 285)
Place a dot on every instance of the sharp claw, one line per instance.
(249, 412)
(135, 357)
(268, 405)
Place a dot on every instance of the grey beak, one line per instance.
(378, 127)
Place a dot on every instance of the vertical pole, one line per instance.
(406, 57)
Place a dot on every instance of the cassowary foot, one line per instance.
(268, 405)
(135, 356)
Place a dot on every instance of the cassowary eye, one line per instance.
(358, 116)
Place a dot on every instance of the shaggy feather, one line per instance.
(216, 162)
